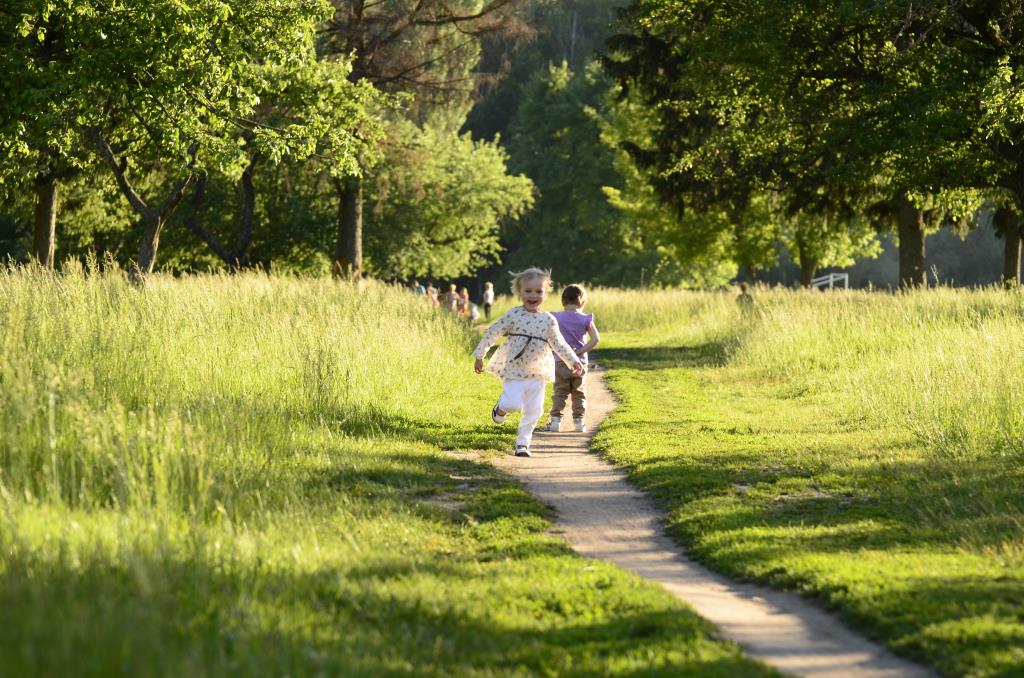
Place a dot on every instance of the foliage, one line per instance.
(572, 32)
(840, 121)
(555, 141)
(438, 202)
(166, 91)
(672, 248)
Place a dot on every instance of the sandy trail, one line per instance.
(603, 516)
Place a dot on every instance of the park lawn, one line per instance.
(765, 479)
(255, 476)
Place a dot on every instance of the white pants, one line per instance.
(526, 396)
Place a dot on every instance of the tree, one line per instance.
(561, 31)
(338, 123)
(155, 87)
(555, 140)
(38, 144)
(426, 48)
(437, 201)
(699, 250)
(822, 105)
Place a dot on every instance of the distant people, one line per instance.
(417, 288)
(463, 306)
(745, 300)
(488, 300)
(451, 299)
(474, 314)
(574, 325)
(432, 295)
(523, 361)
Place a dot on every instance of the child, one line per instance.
(432, 296)
(573, 324)
(523, 361)
(451, 300)
(488, 300)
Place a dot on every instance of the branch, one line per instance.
(192, 222)
(457, 19)
(178, 192)
(136, 201)
(248, 214)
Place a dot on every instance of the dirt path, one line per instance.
(605, 517)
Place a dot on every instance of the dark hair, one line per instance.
(574, 294)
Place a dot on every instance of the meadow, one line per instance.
(278, 476)
(256, 475)
(863, 449)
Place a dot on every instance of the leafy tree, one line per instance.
(438, 200)
(424, 48)
(821, 105)
(164, 89)
(671, 248)
(562, 31)
(555, 140)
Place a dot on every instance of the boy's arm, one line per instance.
(592, 338)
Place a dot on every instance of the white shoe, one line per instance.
(580, 427)
(495, 417)
(555, 424)
(522, 451)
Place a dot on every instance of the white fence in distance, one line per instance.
(830, 280)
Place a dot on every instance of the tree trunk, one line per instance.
(151, 227)
(193, 224)
(241, 253)
(153, 219)
(237, 258)
(348, 253)
(44, 234)
(1008, 226)
(807, 270)
(910, 222)
(808, 263)
(808, 267)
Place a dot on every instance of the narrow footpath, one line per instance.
(604, 517)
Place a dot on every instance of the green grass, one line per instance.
(256, 476)
(860, 449)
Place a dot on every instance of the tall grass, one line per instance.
(944, 365)
(171, 397)
(231, 475)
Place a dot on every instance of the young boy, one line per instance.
(574, 324)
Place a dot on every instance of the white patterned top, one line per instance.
(526, 354)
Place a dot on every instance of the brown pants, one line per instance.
(565, 385)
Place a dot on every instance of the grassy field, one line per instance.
(863, 449)
(252, 476)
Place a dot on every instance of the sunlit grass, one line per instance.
(942, 364)
(860, 448)
(245, 475)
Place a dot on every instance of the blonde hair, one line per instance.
(529, 274)
(488, 285)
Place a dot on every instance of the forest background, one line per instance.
(445, 141)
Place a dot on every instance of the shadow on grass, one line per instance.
(665, 357)
(920, 551)
(375, 619)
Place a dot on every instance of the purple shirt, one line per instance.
(573, 325)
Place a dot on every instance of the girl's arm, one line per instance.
(592, 338)
(562, 349)
(496, 330)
